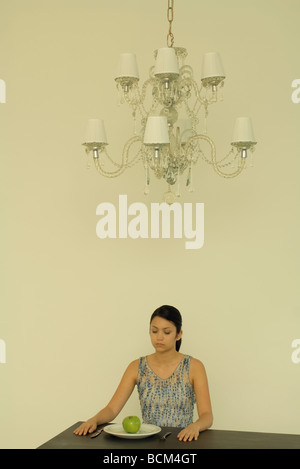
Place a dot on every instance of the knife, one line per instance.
(96, 433)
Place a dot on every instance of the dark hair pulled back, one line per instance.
(171, 314)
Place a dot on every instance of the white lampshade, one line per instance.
(243, 130)
(95, 131)
(212, 65)
(156, 131)
(166, 62)
(127, 66)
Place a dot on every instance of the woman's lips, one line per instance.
(159, 345)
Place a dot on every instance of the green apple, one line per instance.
(131, 424)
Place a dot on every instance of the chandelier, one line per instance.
(167, 110)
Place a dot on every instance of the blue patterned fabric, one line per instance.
(166, 402)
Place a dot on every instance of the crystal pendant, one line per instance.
(88, 159)
(147, 184)
(189, 184)
(169, 197)
(170, 177)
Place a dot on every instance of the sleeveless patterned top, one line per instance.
(166, 402)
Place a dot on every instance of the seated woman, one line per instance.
(169, 383)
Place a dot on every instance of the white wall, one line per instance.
(74, 308)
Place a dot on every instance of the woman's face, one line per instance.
(163, 334)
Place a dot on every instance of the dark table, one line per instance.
(209, 439)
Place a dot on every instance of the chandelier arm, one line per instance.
(213, 156)
(197, 107)
(206, 101)
(142, 96)
(126, 163)
(144, 88)
(135, 96)
(125, 156)
(197, 92)
(109, 174)
(199, 101)
(135, 99)
(203, 101)
(127, 98)
(192, 115)
(224, 164)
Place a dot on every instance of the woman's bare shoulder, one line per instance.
(134, 363)
(196, 366)
(133, 366)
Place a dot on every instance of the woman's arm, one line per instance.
(199, 382)
(115, 405)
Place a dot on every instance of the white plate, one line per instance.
(144, 431)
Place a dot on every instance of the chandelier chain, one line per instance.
(170, 16)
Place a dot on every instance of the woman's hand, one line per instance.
(191, 432)
(86, 427)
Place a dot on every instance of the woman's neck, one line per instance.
(166, 357)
